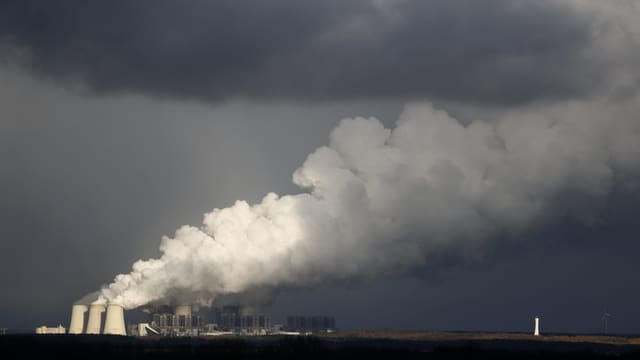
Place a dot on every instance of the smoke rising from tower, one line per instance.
(379, 200)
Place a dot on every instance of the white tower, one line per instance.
(77, 319)
(114, 323)
(95, 319)
(536, 329)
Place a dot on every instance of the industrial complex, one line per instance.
(182, 320)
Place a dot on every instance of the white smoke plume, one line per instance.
(379, 200)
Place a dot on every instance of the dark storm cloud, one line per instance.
(498, 51)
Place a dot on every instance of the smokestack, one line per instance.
(536, 329)
(114, 323)
(95, 319)
(77, 319)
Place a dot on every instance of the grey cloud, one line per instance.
(496, 52)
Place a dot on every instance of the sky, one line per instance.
(122, 121)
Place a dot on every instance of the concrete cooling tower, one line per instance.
(114, 323)
(94, 324)
(77, 319)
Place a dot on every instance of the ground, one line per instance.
(340, 345)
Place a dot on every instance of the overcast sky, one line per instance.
(121, 121)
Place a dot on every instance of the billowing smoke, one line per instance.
(379, 201)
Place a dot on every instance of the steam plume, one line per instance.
(381, 200)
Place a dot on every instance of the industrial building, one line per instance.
(179, 323)
(141, 329)
(43, 330)
(245, 321)
(311, 324)
(227, 320)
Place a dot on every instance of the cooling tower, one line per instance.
(77, 319)
(114, 323)
(95, 319)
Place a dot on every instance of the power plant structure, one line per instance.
(143, 329)
(77, 319)
(44, 330)
(94, 325)
(228, 320)
(536, 326)
(310, 324)
(242, 320)
(113, 324)
(180, 322)
(183, 321)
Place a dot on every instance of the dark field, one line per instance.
(344, 345)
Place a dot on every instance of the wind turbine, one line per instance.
(605, 318)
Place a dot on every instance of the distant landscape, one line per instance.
(485, 336)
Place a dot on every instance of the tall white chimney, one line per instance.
(77, 319)
(536, 329)
(114, 324)
(95, 319)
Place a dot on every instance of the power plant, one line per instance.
(182, 321)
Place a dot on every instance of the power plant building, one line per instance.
(43, 330)
(311, 324)
(229, 319)
(245, 321)
(177, 324)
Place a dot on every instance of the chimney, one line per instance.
(77, 319)
(114, 323)
(95, 319)
(536, 329)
